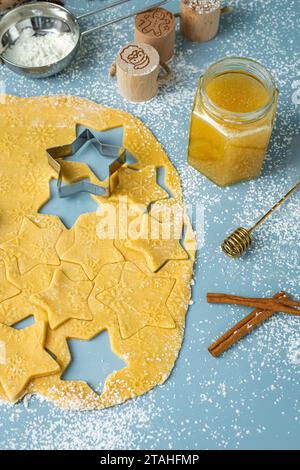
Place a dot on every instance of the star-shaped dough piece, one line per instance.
(158, 246)
(139, 300)
(7, 289)
(20, 307)
(89, 250)
(33, 245)
(65, 299)
(140, 186)
(23, 357)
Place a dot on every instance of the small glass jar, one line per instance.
(228, 141)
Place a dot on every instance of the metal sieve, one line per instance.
(45, 17)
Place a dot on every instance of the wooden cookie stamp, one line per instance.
(157, 27)
(200, 19)
(137, 68)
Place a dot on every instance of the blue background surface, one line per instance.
(249, 398)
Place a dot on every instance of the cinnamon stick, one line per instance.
(290, 303)
(257, 303)
(242, 328)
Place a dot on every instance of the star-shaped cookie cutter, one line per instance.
(55, 154)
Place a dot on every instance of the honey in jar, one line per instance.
(232, 120)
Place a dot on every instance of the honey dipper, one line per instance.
(241, 240)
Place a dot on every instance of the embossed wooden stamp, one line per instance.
(157, 28)
(200, 19)
(137, 68)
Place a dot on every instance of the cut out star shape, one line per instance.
(33, 245)
(99, 350)
(139, 300)
(68, 209)
(7, 289)
(23, 357)
(157, 247)
(65, 299)
(89, 250)
(140, 185)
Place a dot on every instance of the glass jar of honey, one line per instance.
(232, 120)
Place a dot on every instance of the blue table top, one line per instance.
(249, 398)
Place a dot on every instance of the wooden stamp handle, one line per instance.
(163, 79)
(113, 70)
(226, 10)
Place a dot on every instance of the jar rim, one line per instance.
(239, 64)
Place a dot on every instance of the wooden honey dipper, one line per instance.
(241, 239)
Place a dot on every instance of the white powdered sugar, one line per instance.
(31, 50)
(250, 397)
(203, 6)
(294, 350)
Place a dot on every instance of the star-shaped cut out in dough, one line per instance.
(89, 249)
(158, 246)
(33, 245)
(140, 186)
(139, 300)
(65, 299)
(23, 357)
(7, 289)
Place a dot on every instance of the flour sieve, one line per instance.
(45, 17)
